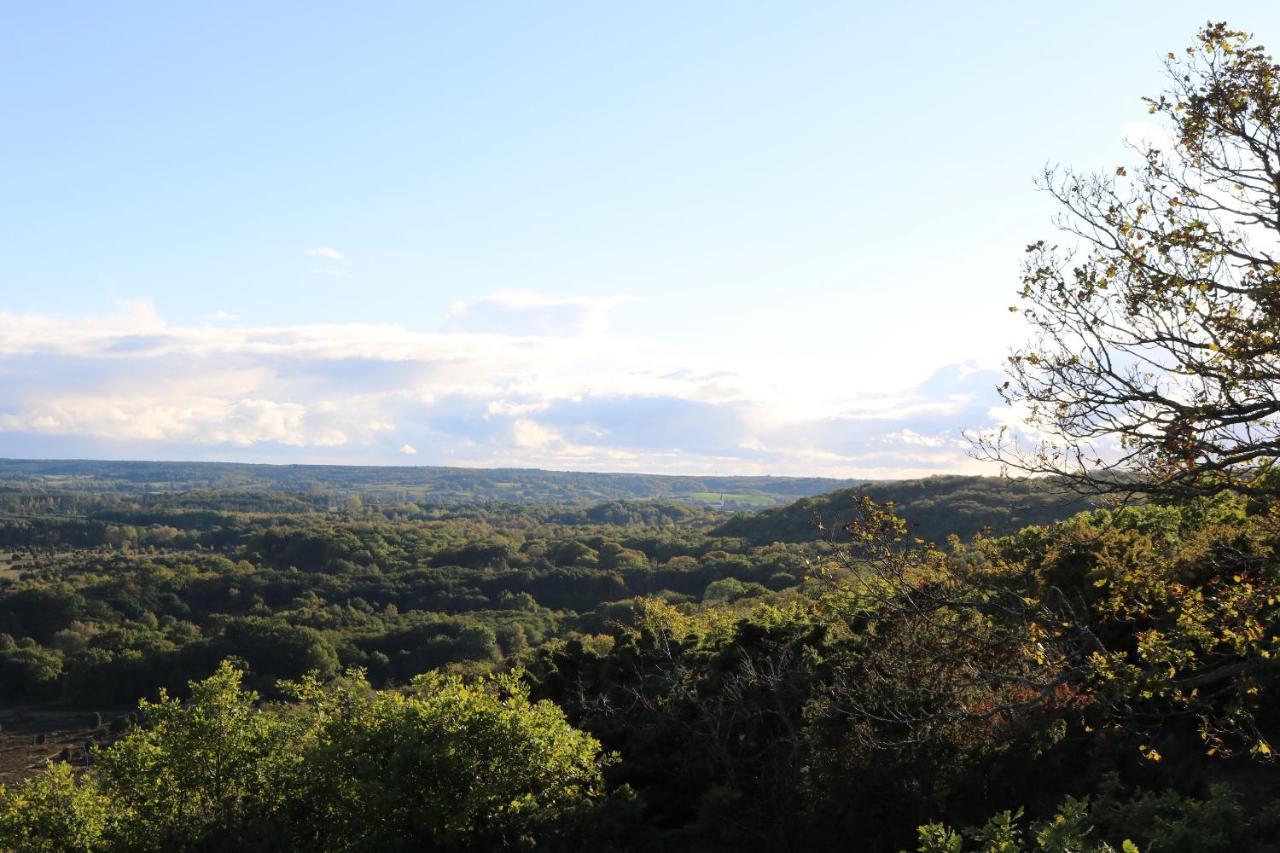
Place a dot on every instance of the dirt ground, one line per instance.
(33, 736)
(7, 570)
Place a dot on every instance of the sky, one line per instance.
(719, 238)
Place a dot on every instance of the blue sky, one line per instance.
(708, 237)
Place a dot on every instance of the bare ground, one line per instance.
(32, 736)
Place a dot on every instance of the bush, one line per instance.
(445, 764)
(51, 812)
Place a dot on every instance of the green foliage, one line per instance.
(55, 812)
(936, 838)
(290, 586)
(198, 769)
(446, 764)
(1069, 830)
(1160, 822)
(1168, 822)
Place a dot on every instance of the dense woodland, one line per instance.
(106, 598)
(707, 691)
(314, 659)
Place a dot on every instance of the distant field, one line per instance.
(424, 484)
(730, 499)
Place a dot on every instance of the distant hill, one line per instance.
(420, 484)
(936, 506)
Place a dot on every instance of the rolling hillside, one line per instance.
(937, 506)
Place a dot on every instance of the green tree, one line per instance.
(55, 812)
(443, 765)
(197, 769)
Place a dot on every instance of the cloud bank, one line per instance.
(509, 379)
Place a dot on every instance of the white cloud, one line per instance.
(527, 383)
(328, 253)
(913, 438)
(180, 418)
(519, 312)
(532, 435)
(509, 409)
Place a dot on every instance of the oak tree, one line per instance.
(1154, 363)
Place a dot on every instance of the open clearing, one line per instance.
(33, 736)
